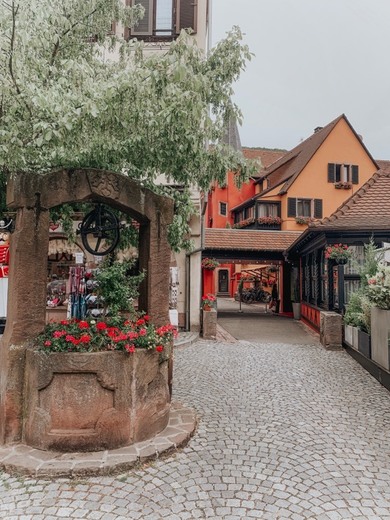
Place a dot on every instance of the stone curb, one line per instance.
(185, 339)
(24, 460)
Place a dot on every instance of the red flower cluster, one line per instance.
(92, 336)
(208, 300)
(337, 252)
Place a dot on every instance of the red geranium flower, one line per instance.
(85, 338)
(83, 325)
(47, 343)
(159, 348)
(101, 325)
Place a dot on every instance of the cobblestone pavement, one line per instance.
(286, 431)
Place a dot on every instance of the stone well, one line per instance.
(81, 401)
(94, 401)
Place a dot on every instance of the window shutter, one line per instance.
(317, 208)
(145, 25)
(186, 15)
(331, 172)
(291, 207)
(355, 174)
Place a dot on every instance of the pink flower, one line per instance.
(47, 343)
(130, 348)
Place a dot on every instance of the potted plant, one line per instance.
(210, 264)
(208, 302)
(339, 253)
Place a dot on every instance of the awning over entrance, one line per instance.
(250, 244)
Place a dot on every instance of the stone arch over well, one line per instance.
(31, 197)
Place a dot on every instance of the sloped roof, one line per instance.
(287, 168)
(384, 165)
(266, 156)
(368, 208)
(249, 239)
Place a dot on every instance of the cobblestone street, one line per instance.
(285, 431)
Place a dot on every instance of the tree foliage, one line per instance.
(67, 103)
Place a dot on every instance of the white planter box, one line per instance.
(380, 333)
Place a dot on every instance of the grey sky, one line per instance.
(314, 60)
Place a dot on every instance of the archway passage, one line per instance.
(254, 257)
(31, 197)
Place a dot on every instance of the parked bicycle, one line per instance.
(255, 295)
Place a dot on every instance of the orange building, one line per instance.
(291, 190)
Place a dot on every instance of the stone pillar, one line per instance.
(25, 313)
(210, 324)
(331, 329)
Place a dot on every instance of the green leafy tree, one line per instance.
(67, 103)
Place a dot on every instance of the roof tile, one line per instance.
(249, 239)
(368, 208)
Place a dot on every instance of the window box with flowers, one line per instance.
(343, 185)
(339, 253)
(210, 264)
(244, 223)
(304, 220)
(269, 222)
(117, 366)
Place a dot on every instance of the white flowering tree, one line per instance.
(65, 103)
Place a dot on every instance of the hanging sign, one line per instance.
(79, 258)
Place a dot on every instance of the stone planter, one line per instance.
(94, 401)
(210, 324)
(380, 331)
(364, 344)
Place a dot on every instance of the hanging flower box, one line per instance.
(340, 253)
(210, 263)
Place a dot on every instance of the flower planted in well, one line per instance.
(340, 253)
(208, 301)
(210, 263)
(108, 335)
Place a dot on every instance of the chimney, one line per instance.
(318, 128)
